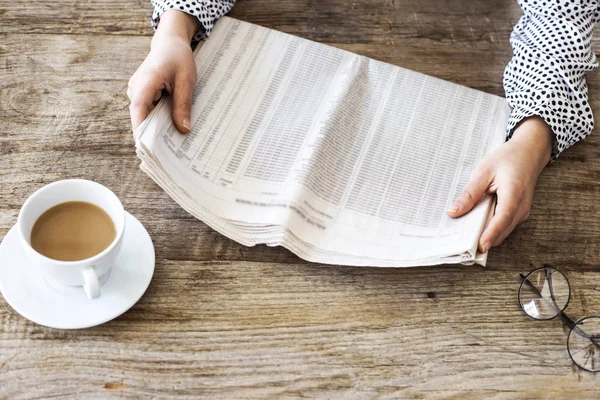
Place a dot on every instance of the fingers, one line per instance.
(138, 113)
(478, 184)
(506, 217)
(182, 101)
(142, 97)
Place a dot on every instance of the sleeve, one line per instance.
(207, 12)
(546, 76)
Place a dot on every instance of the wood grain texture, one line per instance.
(221, 320)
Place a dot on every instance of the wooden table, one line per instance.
(220, 320)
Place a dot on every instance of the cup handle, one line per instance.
(91, 285)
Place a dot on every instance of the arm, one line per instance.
(546, 76)
(206, 11)
(545, 86)
(170, 65)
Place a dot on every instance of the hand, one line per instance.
(511, 173)
(170, 67)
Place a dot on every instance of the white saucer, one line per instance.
(24, 287)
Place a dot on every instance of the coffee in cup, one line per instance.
(72, 231)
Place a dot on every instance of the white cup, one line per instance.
(89, 272)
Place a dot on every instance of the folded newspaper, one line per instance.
(337, 157)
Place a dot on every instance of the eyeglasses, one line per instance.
(543, 295)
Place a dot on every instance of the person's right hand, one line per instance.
(169, 67)
(510, 172)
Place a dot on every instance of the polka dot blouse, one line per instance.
(551, 54)
(546, 76)
(207, 11)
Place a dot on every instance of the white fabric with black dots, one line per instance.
(551, 54)
(207, 12)
(546, 77)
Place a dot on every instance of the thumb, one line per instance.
(478, 184)
(182, 102)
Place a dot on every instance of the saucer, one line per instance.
(25, 288)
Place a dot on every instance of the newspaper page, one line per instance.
(340, 158)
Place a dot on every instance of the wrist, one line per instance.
(535, 134)
(177, 24)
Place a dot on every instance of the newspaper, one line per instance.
(337, 157)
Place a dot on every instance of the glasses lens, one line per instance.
(544, 293)
(584, 344)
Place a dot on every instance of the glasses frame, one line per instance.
(559, 311)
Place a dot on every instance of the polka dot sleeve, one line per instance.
(546, 76)
(207, 12)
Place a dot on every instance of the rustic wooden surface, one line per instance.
(224, 321)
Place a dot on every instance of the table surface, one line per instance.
(221, 320)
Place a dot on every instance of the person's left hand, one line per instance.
(510, 172)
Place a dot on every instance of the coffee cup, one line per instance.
(88, 272)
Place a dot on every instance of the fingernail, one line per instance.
(186, 123)
(484, 248)
(455, 207)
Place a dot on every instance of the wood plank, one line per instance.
(480, 24)
(127, 17)
(257, 329)
(474, 24)
(398, 22)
